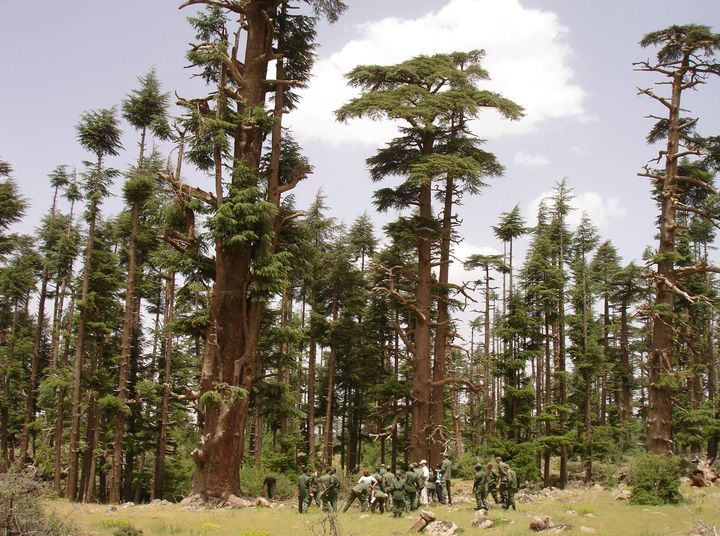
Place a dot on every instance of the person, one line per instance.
(411, 487)
(479, 487)
(359, 491)
(508, 486)
(332, 490)
(423, 477)
(494, 479)
(315, 487)
(446, 470)
(324, 482)
(438, 484)
(302, 484)
(379, 493)
(371, 482)
(269, 484)
(397, 491)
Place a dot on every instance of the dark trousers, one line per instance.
(449, 494)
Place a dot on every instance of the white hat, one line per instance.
(423, 462)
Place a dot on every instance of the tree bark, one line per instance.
(437, 444)
(74, 441)
(659, 429)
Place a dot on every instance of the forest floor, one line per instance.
(592, 510)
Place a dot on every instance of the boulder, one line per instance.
(538, 523)
(622, 495)
(426, 518)
(587, 530)
(441, 528)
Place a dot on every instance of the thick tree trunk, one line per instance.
(659, 429)
(233, 317)
(421, 390)
(437, 443)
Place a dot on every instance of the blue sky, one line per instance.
(568, 61)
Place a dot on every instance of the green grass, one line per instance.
(593, 508)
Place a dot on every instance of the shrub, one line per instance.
(21, 509)
(655, 480)
(127, 531)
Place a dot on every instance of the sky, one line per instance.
(567, 62)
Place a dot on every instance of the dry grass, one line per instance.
(591, 508)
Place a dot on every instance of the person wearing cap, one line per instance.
(315, 487)
(508, 486)
(494, 479)
(411, 487)
(479, 486)
(397, 491)
(446, 470)
(422, 481)
(332, 488)
(437, 483)
(379, 493)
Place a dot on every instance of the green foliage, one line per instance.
(99, 133)
(127, 531)
(251, 480)
(139, 187)
(111, 405)
(655, 479)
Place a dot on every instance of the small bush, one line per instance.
(655, 480)
(21, 509)
(127, 531)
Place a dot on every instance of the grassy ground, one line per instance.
(584, 509)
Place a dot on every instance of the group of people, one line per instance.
(495, 478)
(405, 490)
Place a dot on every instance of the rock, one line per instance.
(571, 512)
(622, 495)
(426, 518)
(441, 528)
(589, 514)
(538, 523)
(262, 501)
(486, 524)
(587, 530)
(127, 505)
(597, 487)
(523, 498)
(112, 509)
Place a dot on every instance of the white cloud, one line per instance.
(601, 211)
(527, 57)
(527, 160)
(579, 151)
(458, 274)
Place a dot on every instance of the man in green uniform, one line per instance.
(397, 490)
(494, 479)
(411, 488)
(480, 487)
(359, 491)
(315, 487)
(379, 493)
(302, 484)
(446, 470)
(508, 486)
(331, 490)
